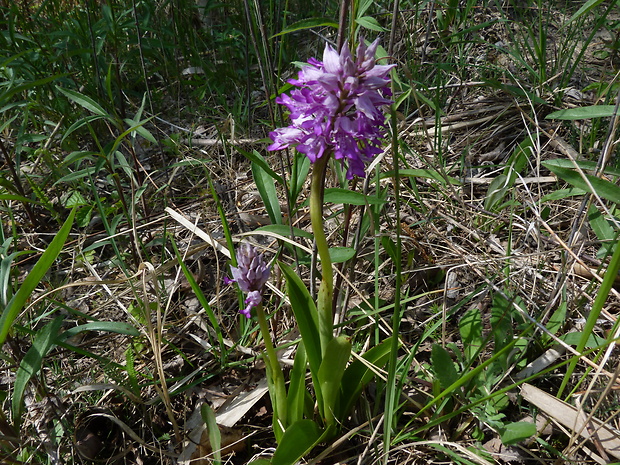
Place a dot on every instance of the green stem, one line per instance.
(392, 393)
(275, 377)
(599, 302)
(326, 289)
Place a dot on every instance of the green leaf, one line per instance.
(267, 190)
(604, 231)
(341, 254)
(503, 183)
(585, 9)
(296, 442)
(402, 97)
(519, 158)
(496, 192)
(135, 310)
(371, 23)
(501, 327)
(306, 315)
(390, 247)
(453, 456)
(346, 196)
(358, 375)
(562, 194)
(7, 94)
(138, 128)
(72, 199)
(137, 125)
(307, 318)
(17, 302)
(603, 188)
(517, 91)
(585, 165)
(78, 124)
(308, 23)
(84, 101)
(215, 437)
(8, 185)
(594, 111)
(297, 386)
(611, 274)
(18, 198)
(572, 339)
(75, 157)
(83, 216)
(301, 167)
(223, 221)
(130, 367)
(5, 271)
(362, 6)
(117, 327)
(257, 158)
(337, 354)
(556, 321)
(512, 433)
(442, 365)
(470, 328)
(31, 364)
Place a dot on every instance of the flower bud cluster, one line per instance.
(337, 107)
(251, 274)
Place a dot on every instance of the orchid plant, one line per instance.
(336, 110)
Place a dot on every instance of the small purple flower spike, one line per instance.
(251, 274)
(337, 107)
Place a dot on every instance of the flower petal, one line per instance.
(331, 60)
(337, 107)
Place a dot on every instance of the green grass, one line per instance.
(488, 235)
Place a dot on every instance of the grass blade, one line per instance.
(215, 437)
(257, 158)
(308, 23)
(603, 188)
(33, 279)
(601, 297)
(117, 327)
(84, 101)
(267, 191)
(31, 364)
(594, 111)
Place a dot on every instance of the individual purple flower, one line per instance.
(336, 107)
(251, 274)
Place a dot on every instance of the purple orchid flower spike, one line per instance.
(251, 274)
(337, 107)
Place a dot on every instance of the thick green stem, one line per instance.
(326, 289)
(275, 377)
